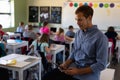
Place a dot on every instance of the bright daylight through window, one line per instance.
(5, 13)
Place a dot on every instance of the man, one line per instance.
(90, 52)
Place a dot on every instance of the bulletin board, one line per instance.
(56, 15)
(33, 14)
(44, 13)
(105, 14)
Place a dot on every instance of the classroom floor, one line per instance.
(117, 71)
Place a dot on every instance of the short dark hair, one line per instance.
(21, 23)
(111, 29)
(70, 27)
(86, 10)
(45, 23)
(0, 25)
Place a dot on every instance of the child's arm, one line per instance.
(47, 49)
(68, 38)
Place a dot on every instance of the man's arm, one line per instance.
(66, 64)
(77, 71)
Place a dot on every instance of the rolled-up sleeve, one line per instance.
(101, 55)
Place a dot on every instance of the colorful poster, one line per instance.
(56, 15)
(44, 13)
(105, 14)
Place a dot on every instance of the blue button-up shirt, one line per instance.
(90, 50)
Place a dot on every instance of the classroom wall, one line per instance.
(59, 3)
(21, 9)
(20, 13)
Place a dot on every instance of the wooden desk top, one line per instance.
(22, 60)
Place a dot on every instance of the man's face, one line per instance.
(82, 21)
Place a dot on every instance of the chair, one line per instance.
(112, 46)
(107, 74)
(109, 53)
(30, 40)
(113, 51)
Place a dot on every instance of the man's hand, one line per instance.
(71, 71)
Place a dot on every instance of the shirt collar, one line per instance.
(90, 29)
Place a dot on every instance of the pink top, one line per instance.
(44, 30)
(59, 38)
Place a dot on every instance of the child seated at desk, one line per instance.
(2, 43)
(113, 36)
(45, 28)
(61, 39)
(70, 34)
(29, 33)
(3, 72)
(42, 47)
(2, 32)
(59, 36)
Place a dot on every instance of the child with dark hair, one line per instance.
(45, 28)
(59, 36)
(41, 47)
(112, 34)
(70, 33)
(1, 31)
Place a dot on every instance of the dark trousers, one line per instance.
(56, 74)
(44, 61)
(4, 75)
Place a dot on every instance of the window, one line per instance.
(5, 13)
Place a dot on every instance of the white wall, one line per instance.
(59, 3)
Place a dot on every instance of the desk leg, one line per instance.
(14, 73)
(64, 55)
(54, 59)
(14, 50)
(70, 46)
(40, 70)
(27, 45)
(20, 75)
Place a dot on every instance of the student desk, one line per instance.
(14, 44)
(55, 50)
(11, 35)
(67, 42)
(107, 74)
(22, 64)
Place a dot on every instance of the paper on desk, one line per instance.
(8, 62)
(18, 57)
(9, 57)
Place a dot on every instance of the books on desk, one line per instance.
(18, 40)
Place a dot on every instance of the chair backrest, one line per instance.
(113, 45)
(109, 53)
(30, 40)
(53, 29)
